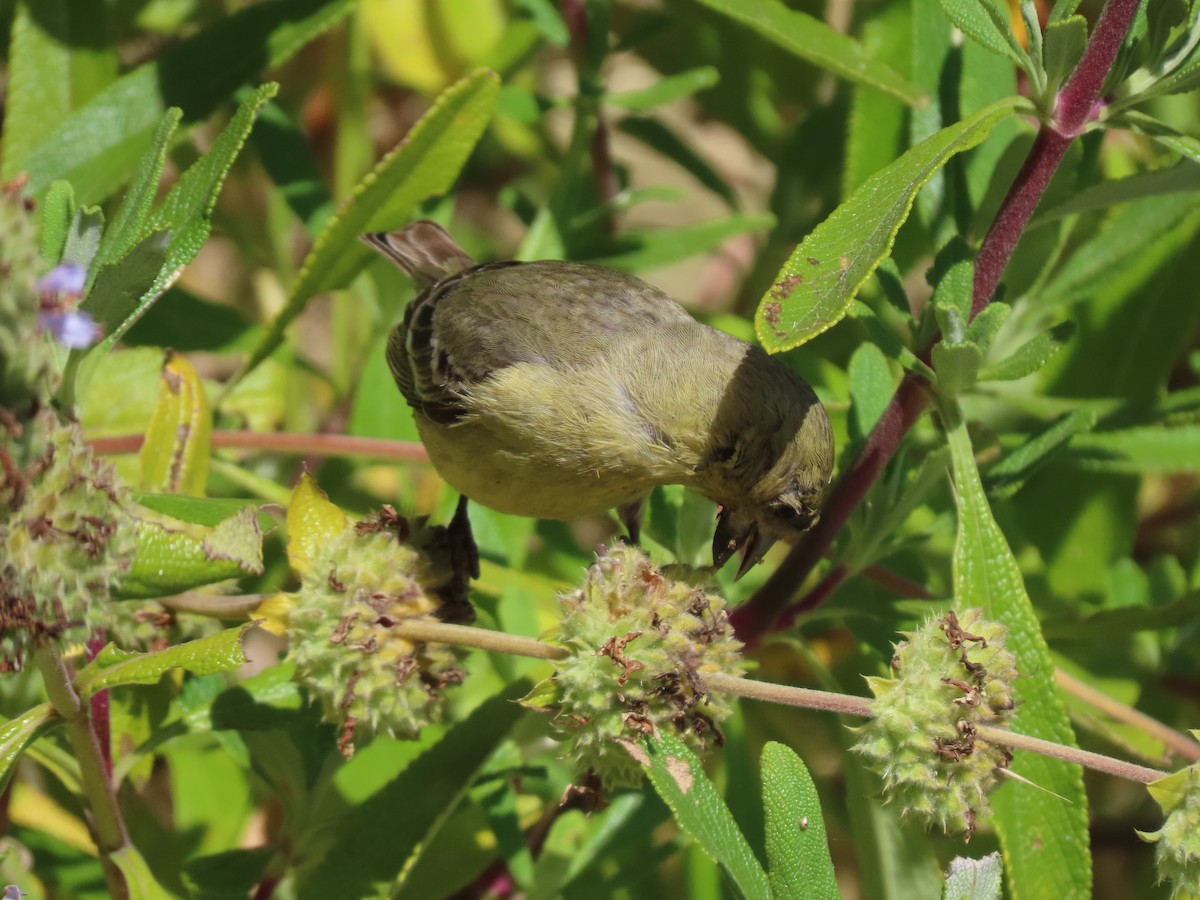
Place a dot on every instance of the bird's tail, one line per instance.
(424, 250)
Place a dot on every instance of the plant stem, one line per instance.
(805, 698)
(285, 442)
(470, 636)
(108, 826)
(1179, 744)
(1095, 761)
(1076, 105)
(216, 606)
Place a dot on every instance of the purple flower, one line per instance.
(75, 330)
(68, 278)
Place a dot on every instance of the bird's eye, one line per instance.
(792, 517)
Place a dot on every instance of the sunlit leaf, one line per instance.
(814, 289)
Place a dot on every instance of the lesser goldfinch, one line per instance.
(558, 389)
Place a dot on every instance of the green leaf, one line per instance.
(425, 164)
(679, 779)
(17, 734)
(139, 880)
(373, 846)
(39, 80)
(974, 879)
(174, 455)
(986, 22)
(1011, 473)
(113, 667)
(986, 575)
(1062, 47)
(208, 511)
(1178, 179)
(814, 41)
(816, 286)
(126, 289)
(666, 90)
(1030, 356)
(639, 251)
(1172, 790)
(956, 365)
(797, 850)
(58, 212)
(659, 137)
(1151, 449)
(175, 556)
(1062, 9)
(1125, 240)
(985, 326)
(887, 340)
(83, 236)
(98, 145)
(129, 224)
(871, 389)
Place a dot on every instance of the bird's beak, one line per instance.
(748, 541)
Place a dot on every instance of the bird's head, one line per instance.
(770, 460)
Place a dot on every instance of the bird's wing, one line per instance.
(471, 325)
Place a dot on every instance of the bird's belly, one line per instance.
(538, 478)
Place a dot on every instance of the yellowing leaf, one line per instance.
(428, 45)
(311, 521)
(272, 613)
(175, 456)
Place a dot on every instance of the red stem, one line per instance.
(100, 709)
(284, 442)
(1076, 105)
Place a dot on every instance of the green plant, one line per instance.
(996, 231)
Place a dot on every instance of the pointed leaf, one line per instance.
(129, 224)
(139, 880)
(174, 456)
(425, 164)
(113, 667)
(98, 145)
(182, 222)
(17, 734)
(797, 850)
(814, 41)
(814, 289)
(1009, 475)
(986, 574)
(986, 22)
(1150, 449)
(311, 521)
(678, 777)
(666, 90)
(174, 556)
(1030, 356)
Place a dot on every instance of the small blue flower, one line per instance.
(75, 330)
(68, 278)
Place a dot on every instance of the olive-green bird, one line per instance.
(557, 389)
